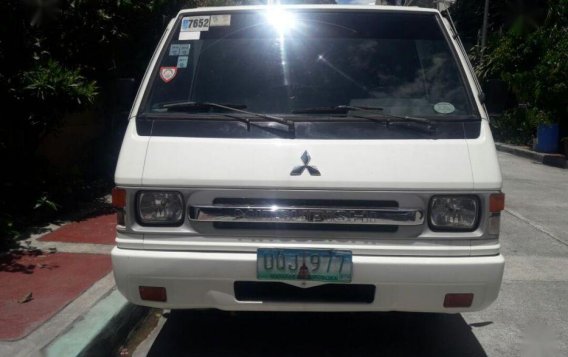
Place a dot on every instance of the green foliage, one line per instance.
(517, 126)
(53, 82)
(56, 58)
(531, 57)
(52, 90)
(504, 15)
(45, 203)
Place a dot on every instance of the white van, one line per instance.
(309, 158)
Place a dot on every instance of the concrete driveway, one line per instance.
(530, 318)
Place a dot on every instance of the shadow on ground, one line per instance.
(84, 211)
(216, 333)
(22, 261)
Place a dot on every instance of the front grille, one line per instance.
(306, 227)
(306, 214)
(257, 213)
(327, 293)
(305, 202)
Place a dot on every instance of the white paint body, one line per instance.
(409, 274)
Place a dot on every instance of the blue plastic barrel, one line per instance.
(547, 136)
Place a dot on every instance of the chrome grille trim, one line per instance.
(307, 215)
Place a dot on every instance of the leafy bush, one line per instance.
(531, 57)
(517, 126)
(52, 91)
(56, 58)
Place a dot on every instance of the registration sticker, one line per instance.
(220, 20)
(195, 23)
(444, 108)
(186, 36)
(184, 49)
(182, 62)
(174, 50)
(168, 73)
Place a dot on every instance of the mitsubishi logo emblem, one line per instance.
(299, 170)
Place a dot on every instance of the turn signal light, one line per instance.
(153, 293)
(458, 300)
(118, 197)
(496, 202)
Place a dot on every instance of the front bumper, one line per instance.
(206, 280)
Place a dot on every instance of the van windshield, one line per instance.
(307, 62)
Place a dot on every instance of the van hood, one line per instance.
(449, 164)
(342, 164)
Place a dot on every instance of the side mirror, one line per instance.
(125, 93)
(497, 96)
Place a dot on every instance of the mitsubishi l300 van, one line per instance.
(309, 158)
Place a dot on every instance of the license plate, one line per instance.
(299, 264)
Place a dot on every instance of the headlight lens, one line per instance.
(160, 207)
(456, 213)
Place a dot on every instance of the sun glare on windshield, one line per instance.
(281, 20)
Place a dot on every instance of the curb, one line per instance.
(556, 160)
(101, 331)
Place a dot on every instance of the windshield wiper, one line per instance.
(425, 125)
(229, 107)
(197, 105)
(338, 109)
(375, 114)
(378, 115)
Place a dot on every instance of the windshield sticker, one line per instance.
(168, 73)
(174, 50)
(444, 108)
(186, 36)
(184, 49)
(182, 61)
(220, 20)
(195, 24)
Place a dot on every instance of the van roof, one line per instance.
(314, 6)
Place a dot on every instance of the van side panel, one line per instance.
(130, 166)
(484, 163)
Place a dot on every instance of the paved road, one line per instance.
(530, 317)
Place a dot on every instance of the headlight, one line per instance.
(160, 208)
(454, 213)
